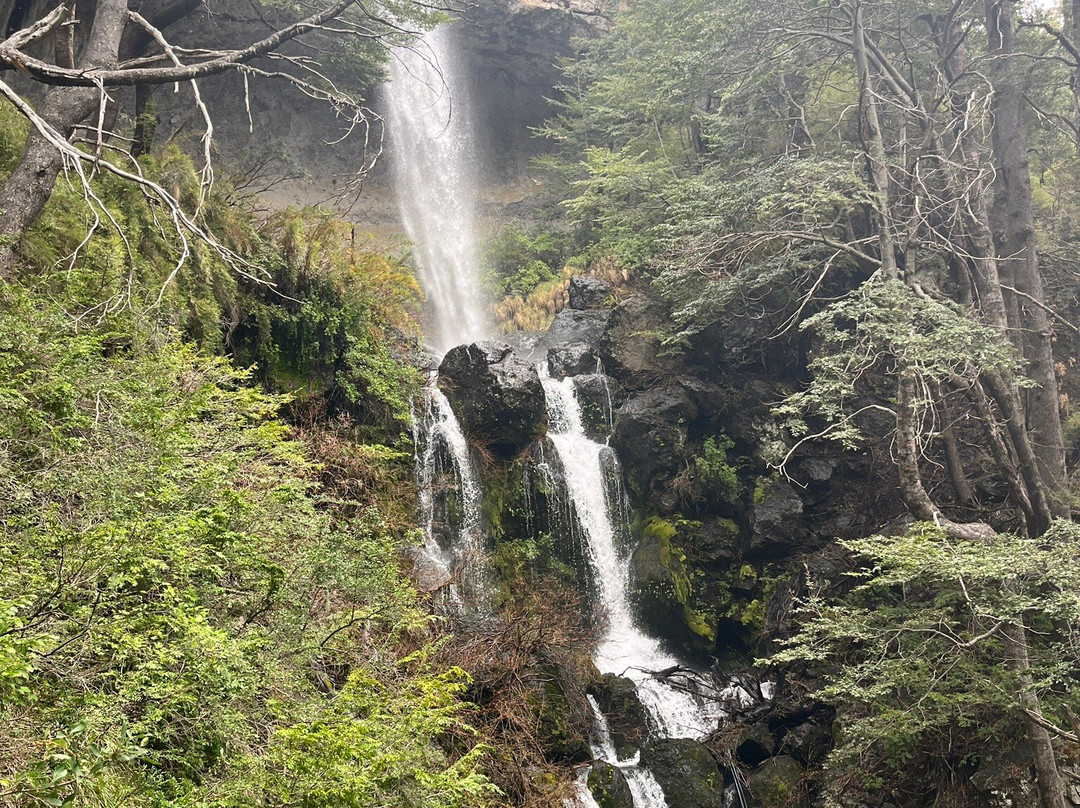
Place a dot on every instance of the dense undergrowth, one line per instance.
(206, 496)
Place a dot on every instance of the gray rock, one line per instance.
(571, 325)
(630, 345)
(496, 396)
(650, 438)
(588, 293)
(1005, 781)
(598, 396)
(776, 517)
(808, 743)
(686, 771)
(626, 717)
(778, 783)
(573, 359)
(609, 787)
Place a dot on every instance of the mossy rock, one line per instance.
(627, 720)
(687, 772)
(778, 783)
(667, 587)
(609, 787)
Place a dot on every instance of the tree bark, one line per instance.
(1051, 788)
(28, 188)
(875, 143)
(1017, 248)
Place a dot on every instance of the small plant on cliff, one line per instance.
(715, 477)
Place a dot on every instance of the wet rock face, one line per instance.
(627, 721)
(574, 326)
(776, 517)
(650, 437)
(598, 395)
(630, 344)
(571, 360)
(588, 293)
(778, 783)
(609, 787)
(686, 771)
(496, 396)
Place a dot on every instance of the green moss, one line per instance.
(679, 591)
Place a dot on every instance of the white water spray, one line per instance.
(461, 565)
(435, 176)
(674, 708)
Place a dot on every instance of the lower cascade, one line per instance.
(679, 703)
(451, 558)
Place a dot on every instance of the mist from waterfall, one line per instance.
(435, 170)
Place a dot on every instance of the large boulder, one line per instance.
(776, 518)
(609, 787)
(572, 325)
(598, 395)
(778, 783)
(687, 772)
(663, 591)
(809, 741)
(650, 437)
(618, 700)
(496, 396)
(630, 345)
(588, 293)
(571, 359)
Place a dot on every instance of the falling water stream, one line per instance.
(456, 565)
(674, 709)
(435, 178)
(435, 171)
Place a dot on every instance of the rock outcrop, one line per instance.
(651, 439)
(609, 787)
(497, 397)
(630, 345)
(687, 772)
(588, 293)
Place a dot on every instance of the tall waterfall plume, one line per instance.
(435, 170)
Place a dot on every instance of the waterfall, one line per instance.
(686, 708)
(435, 177)
(458, 563)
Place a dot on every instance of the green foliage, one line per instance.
(374, 744)
(881, 327)
(516, 262)
(915, 657)
(338, 321)
(714, 476)
(179, 600)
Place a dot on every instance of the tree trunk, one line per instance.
(1051, 788)
(875, 143)
(1017, 248)
(28, 188)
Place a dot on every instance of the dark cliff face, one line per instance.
(514, 47)
(510, 49)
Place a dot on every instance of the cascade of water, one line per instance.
(441, 435)
(674, 709)
(646, 792)
(435, 175)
